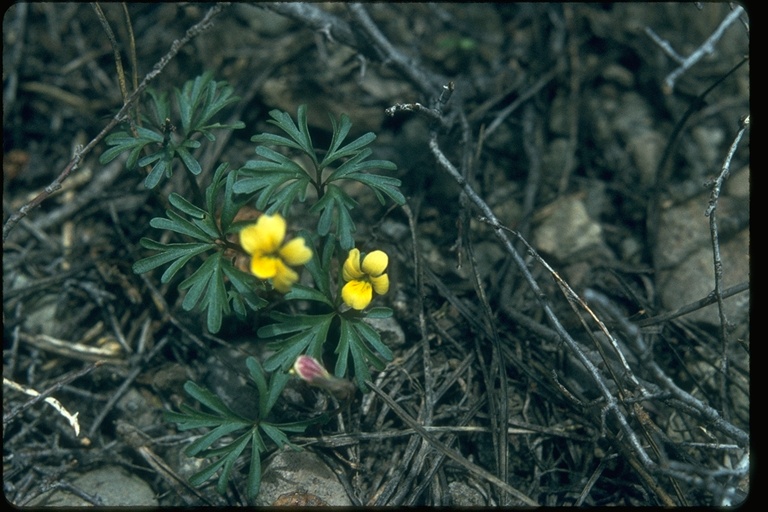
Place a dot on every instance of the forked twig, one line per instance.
(451, 454)
(190, 34)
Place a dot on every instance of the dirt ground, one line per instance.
(615, 357)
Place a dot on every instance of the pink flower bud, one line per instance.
(309, 369)
(313, 373)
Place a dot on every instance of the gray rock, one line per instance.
(112, 484)
(462, 495)
(565, 228)
(295, 478)
(685, 259)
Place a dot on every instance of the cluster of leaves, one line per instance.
(216, 285)
(197, 103)
(295, 334)
(280, 180)
(224, 424)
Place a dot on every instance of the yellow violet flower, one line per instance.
(270, 257)
(364, 278)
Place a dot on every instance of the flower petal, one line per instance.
(357, 294)
(309, 369)
(272, 231)
(284, 277)
(351, 268)
(264, 267)
(375, 263)
(296, 252)
(251, 240)
(380, 284)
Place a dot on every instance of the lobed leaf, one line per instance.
(208, 278)
(353, 335)
(298, 132)
(309, 338)
(335, 206)
(182, 253)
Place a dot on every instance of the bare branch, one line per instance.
(191, 33)
(707, 47)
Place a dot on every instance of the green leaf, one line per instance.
(245, 285)
(161, 168)
(275, 434)
(276, 386)
(206, 285)
(160, 107)
(335, 205)
(276, 140)
(235, 450)
(349, 150)
(185, 206)
(267, 177)
(362, 373)
(151, 158)
(373, 338)
(301, 426)
(178, 224)
(387, 185)
(124, 141)
(340, 132)
(311, 331)
(253, 484)
(208, 399)
(229, 205)
(189, 161)
(224, 423)
(300, 292)
(257, 376)
(379, 312)
(206, 473)
(189, 98)
(191, 419)
(353, 335)
(182, 253)
(298, 133)
(319, 267)
(204, 442)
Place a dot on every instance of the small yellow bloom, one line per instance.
(270, 257)
(364, 278)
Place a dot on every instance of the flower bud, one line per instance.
(313, 373)
(310, 370)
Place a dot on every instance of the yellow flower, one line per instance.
(270, 257)
(364, 278)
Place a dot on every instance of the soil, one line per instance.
(586, 320)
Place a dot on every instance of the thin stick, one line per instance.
(55, 185)
(612, 404)
(451, 454)
(707, 47)
(718, 265)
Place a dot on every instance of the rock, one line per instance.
(738, 183)
(112, 484)
(297, 478)
(462, 495)
(645, 147)
(389, 329)
(565, 229)
(684, 257)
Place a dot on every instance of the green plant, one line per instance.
(233, 263)
(226, 424)
(197, 103)
(279, 180)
